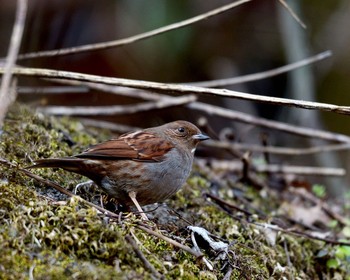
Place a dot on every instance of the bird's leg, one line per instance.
(132, 196)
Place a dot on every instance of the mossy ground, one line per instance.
(46, 235)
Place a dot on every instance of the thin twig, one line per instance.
(115, 109)
(141, 256)
(7, 96)
(221, 82)
(236, 166)
(117, 90)
(277, 228)
(293, 14)
(217, 111)
(264, 74)
(277, 150)
(121, 128)
(246, 118)
(248, 177)
(51, 90)
(57, 187)
(324, 206)
(135, 38)
(289, 263)
(227, 275)
(301, 234)
(223, 203)
(171, 241)
(176, 88)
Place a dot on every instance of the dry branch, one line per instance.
(117, 110)
(277, 150)
(293, 14)
(175, 88)
(142, 257)
(132, 39)
(246, 118)
(8, 96)
(263, 74)
(214, 110)
(236, 166)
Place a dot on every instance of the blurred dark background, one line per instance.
(257, 36)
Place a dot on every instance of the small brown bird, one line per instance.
(141, 167)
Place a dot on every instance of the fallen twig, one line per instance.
(248, 177)
(171, 241)
(223, 203)
(57, 187)
(141, 256)
(302, 234)
(325, 207)
(275, 227)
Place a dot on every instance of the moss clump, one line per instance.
(54, 241)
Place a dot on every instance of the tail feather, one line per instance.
(92, 170)
(69, 164)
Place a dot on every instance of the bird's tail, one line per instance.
(69, 164)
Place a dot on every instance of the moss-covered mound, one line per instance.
(47, 235)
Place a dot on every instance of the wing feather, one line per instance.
(142, 146)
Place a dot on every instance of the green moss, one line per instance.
(47, 235)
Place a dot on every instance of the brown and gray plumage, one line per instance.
(149, 165)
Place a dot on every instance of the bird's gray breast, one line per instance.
(170, 174)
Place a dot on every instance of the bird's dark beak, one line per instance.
(200, 137)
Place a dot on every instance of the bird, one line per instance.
(137, 168)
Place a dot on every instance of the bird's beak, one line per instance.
(200, 137)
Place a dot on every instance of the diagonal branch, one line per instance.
(132, 39)
(263, 74)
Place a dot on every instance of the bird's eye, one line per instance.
(181, 129)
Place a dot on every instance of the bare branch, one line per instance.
(277, 150)
(7, 96)
(293, 14)
(212, 83)
(51, 90)
(121, 128)
(117, 110)
(236, 166)
(264, 74)
(162, 87)
(135, 38)
(215, 110)
(300, 233)
(246, 118)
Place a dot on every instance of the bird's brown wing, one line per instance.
(142, 146)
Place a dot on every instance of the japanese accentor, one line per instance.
(145, 166)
